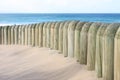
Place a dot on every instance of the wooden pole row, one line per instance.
(93, 44)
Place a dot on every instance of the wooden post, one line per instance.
(117, 55)
(52, 35)
(12, 33)
(19, 34)
(26, 34)
(44, 34)
(108, 55)
(37, 35)
(33, 34)
(99, 49)
(5, 35)
(15, 34)
(65, 39)
(23, 35)
(61, 36)
(48, 35)
(41, 34)
(30, 35)
(71, 38)
(9, 35)
(77, 40)
(92, 45)
(2, 35)
(56, 35)
(83, 43)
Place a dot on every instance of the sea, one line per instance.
(29, 18)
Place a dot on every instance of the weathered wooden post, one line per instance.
(108, 55)
(117, 56)
(41, 34)
(84, 43)
(99, 49)
(37, 35)
(92, 45)
(48, 35)
(44, 34)
(19, 34)
(52, 35)
(26, 34)
(9, 35)
(61, 36)
(23, 35)
(6, 34)
(71, 38)
(56, 35)
(12, 34)
(65, 39)
(2, 34)
(77, 40)
(33, 34)
(15, 34)
(30, 34)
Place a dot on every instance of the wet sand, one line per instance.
(33, 63)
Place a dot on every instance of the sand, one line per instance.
(33, 63)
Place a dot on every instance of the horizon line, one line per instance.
(52, 13)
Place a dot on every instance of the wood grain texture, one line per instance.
(44, 34)
(37, 35)
(12, 34)
(60, 47)
(52, 35)
(15, 34)
(33, 34)
(83, 43)
(65, 39)
(99, 49)
(9, 35)
(108, 55)
(26, 34)
(71, 33)
(117, 56)
(23, 34)
(92, 45)
(56, 35)
(77, 40)
(41, 34)
(2, 31)
(48, 34)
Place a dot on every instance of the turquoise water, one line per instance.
(36, 18)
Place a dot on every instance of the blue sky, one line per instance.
(59, 6)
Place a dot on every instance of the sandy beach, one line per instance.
(33, 63)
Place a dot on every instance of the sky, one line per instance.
(59, 6)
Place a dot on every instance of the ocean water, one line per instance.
(36, 18)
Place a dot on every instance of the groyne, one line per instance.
(93, 44)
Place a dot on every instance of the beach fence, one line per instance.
(96, 45)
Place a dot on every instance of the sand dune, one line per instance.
(28, 63)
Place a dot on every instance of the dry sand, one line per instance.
(33, 63)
